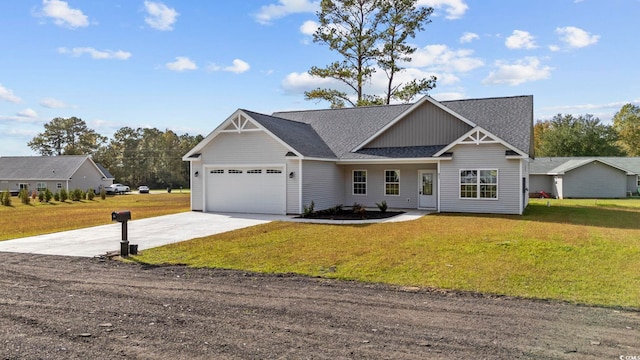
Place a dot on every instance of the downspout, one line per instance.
(438, 179)
(299, 186)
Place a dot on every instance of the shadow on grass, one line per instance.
(601, 216)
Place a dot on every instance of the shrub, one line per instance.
(56, 196)
(77, 195)
(308, 210)
(335, 210)
(34, 195)
(103, 193)
(5, 198)
(47, 195)
(359, 209)
(90, 194)
(382, 206)
(24, 196)
(64, 195)
(41, 196)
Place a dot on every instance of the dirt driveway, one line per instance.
(81, 308)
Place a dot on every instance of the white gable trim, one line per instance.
(478, 136)
(424, 99)
(239, 126)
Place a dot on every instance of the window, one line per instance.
(392, 182)
(638, 180)
(359, 182)
(59, 186)
(233, 171)
(254, 171)
(274, 171)
(479, 184)
(217, 171)
(41, 186)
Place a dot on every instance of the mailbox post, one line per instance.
(123, 217)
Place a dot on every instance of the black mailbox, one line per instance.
(121, 216)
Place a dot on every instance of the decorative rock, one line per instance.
(84, 335)
(106, 325)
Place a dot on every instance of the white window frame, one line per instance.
(354, 182)
(638, 180)
(478, 184)
(391, 183)
(59, 186)
(41, 188)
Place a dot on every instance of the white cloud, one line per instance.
(455, 9)
(521, 71)
(468, 37)
(271, 12)
(63, 15)
(442, 58)
(28, 113)
(309, 27)
(520, 40)
(182, 63)
(160, 16)
(52, 103)
(96, 54)
(238, 67)
(8, 95)
(575, 37)
(554, 48)
(444, 96)
(297, 83)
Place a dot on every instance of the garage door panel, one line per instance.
(249, 190)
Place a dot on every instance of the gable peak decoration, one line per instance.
(478, 136)
(240, 123)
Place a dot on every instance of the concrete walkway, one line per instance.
(154, 232)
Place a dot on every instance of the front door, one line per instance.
(427, 189)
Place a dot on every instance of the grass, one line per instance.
(21, 220)
(583, 251)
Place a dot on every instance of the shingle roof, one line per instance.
(395, 152)
(344, 129)
(560, 165)
(509, 118)
(40, 167)
(300, 136)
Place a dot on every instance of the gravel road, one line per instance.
(80, 308)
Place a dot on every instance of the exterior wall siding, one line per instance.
(595, 180)
(427, 125)
(322, 183)
(250, 148)
(293, 186)
(541, 183)
(633, 183)
(487, 156)
(408, 198)
(197, 187)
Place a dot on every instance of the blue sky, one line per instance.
(187, 65)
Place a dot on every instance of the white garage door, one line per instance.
(258, 190)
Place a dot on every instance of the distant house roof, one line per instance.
(561, 165)
(43, 167)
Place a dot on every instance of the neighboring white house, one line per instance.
(38, 173)
(586, 177)
(450, 156)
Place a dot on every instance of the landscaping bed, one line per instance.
(351, 215)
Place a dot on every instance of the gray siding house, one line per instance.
(38, 173)
(449, 156)
(586, 177)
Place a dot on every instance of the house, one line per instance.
(586, 177)
(449, 156)
(37, 173)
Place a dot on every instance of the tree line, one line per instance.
(141, 156)
(585, 135)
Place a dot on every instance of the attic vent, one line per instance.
(511, 153)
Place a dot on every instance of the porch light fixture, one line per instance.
(292, 175)
(196, 174)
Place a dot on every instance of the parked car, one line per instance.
(143, 189)
(117, 189)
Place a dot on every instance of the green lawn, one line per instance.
(584, 251)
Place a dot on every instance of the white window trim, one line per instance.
(478, 185)
(59, 186)
(384, 189)
(366, 180)
(638, 180)
(41, 188)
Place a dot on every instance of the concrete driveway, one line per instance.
(147, 233)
